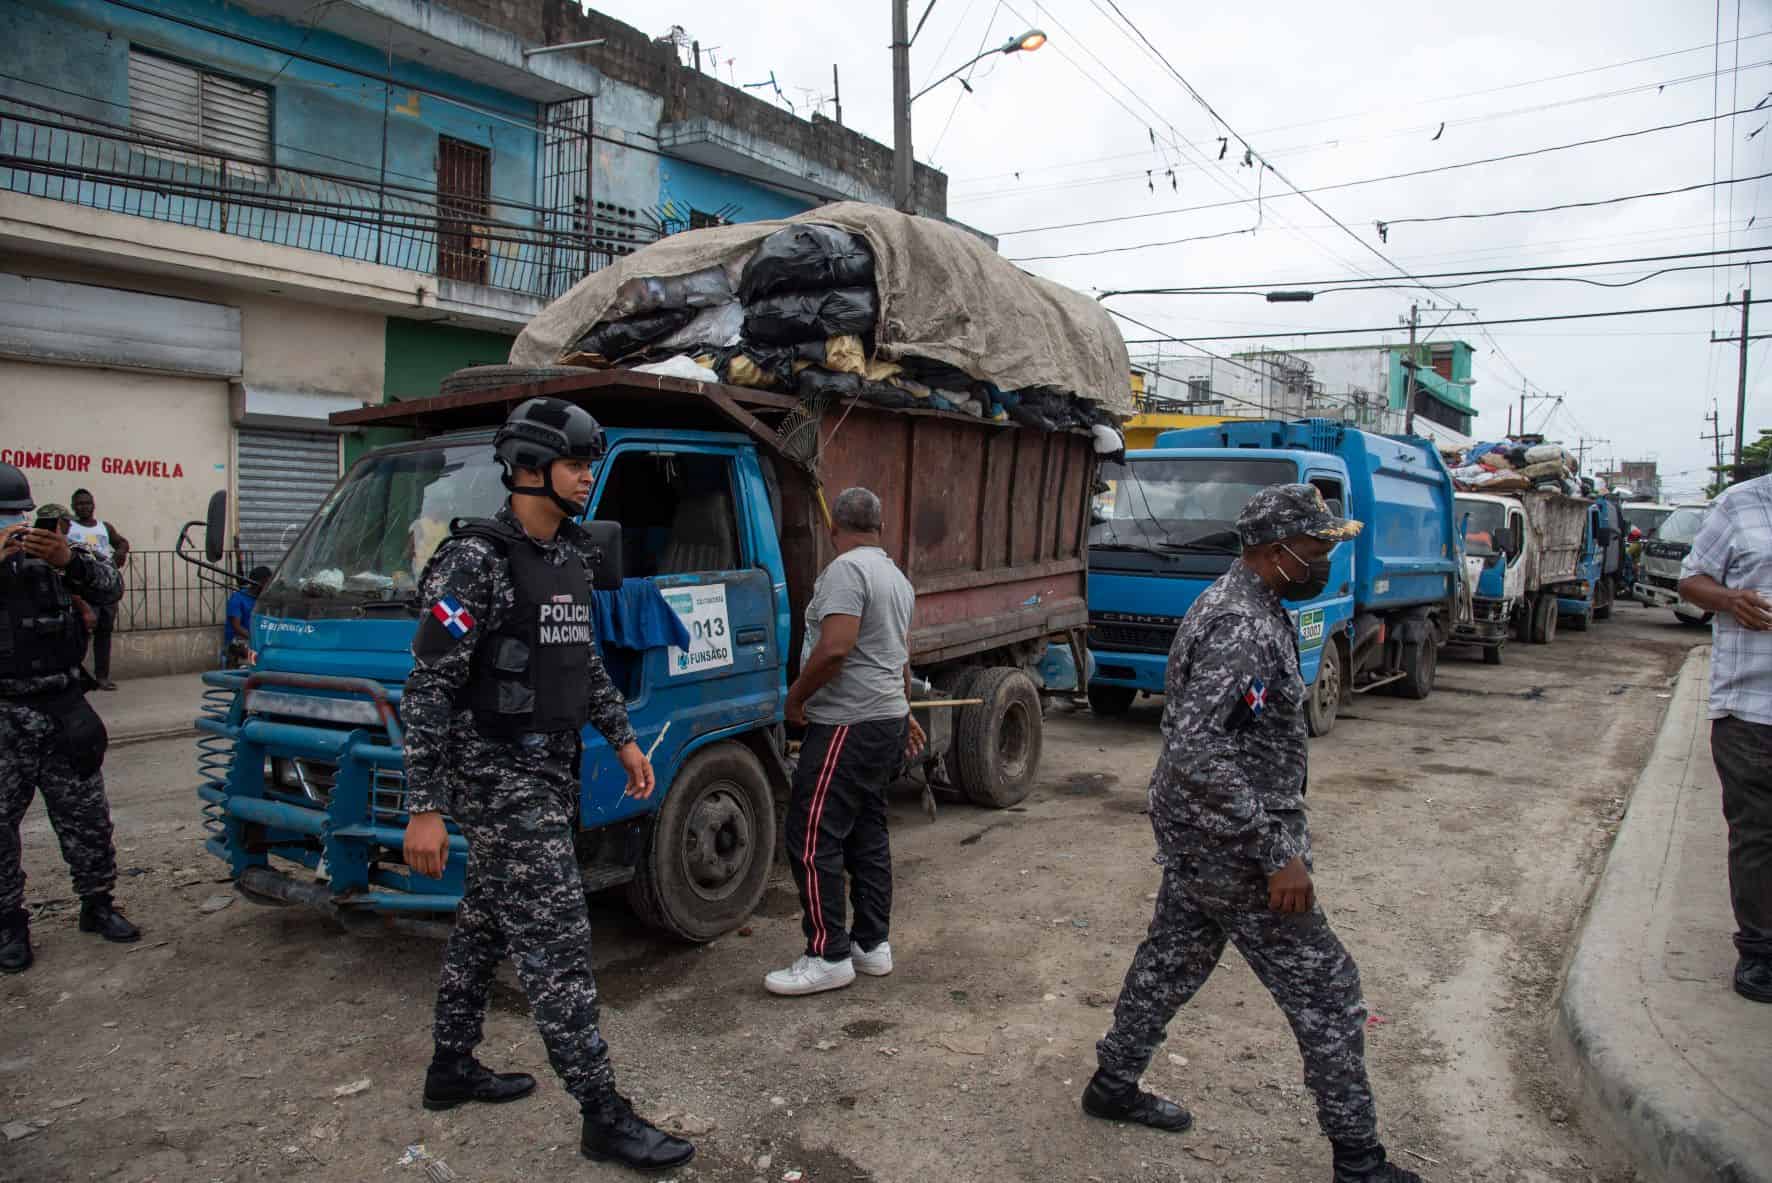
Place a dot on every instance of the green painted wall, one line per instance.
(419, 356)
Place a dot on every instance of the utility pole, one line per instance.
(837, 93)
(1581, 450)
(1717, 436)
(1409, 372)
(1741, 374)
(903, 166)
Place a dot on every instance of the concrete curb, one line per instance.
(135, 737)
(1632, 1079)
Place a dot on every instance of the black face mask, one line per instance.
(1311, 586)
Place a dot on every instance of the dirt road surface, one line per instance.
(1456, 842)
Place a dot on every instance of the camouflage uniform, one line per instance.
(31, 758)
(516, 802)
(1227, 805)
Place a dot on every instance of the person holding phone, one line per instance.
(50, 737)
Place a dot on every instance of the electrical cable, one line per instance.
(983, 195)
(1471, 324)
(1219, 288)
(1546, 209)
(1377, 180)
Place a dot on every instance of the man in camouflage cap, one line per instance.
(1227, 805)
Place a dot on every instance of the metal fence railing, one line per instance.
(480, 238)
(162, 591)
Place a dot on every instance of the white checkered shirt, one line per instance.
(1734, 547)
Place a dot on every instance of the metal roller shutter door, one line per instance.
(284, 477)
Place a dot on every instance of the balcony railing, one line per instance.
(529, 249)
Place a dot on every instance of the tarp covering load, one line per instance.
(1514, 466)
(851, 300)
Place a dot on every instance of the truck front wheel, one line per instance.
(712, 843)
(1325, 696)
(1109, 701)
(1492, 654)
(997, 744)
(1544, 619)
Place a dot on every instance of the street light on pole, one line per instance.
(903, 165)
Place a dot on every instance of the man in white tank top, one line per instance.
(108, 543)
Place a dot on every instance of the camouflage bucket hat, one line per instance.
(55, 510)
(1285, 511)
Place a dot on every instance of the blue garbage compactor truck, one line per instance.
(1166, 529)
(302, 784)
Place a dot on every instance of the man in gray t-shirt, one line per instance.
(853, 698)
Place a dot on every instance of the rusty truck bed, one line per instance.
(988, 520)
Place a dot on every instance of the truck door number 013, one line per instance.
(1310, 626)
(702, 608)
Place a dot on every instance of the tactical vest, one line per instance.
(533, 672)
(40, 629)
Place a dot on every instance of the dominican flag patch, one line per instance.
(453, 617)
(1255, 698)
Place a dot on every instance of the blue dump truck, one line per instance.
(1599, 567)
(1166, 528)
(300, 757)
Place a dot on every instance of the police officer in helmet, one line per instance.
(504, 678)
(50, 737)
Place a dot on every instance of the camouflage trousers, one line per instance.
(515, 803)
(31, 759)
(1297, 957)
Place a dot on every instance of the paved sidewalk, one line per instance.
(150, 708)
(1670, 1060)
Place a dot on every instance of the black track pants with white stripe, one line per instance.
(837, 823)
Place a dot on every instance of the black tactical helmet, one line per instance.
(15, 491)
(544, 430)
(538, 433)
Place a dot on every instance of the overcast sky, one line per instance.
(1338, 92)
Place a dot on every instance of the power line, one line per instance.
(983, 195)
(1546, 209)
(1263, 287)
(1377, 180)
(1470, 324)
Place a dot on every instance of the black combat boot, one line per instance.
(1111, 1102)
(1368, 1165)
(15, 942)
(1753, 978)
(455, 1079)
(98, 914)
(613, 1132)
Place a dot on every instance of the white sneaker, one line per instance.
(876, 962)
(811, 975)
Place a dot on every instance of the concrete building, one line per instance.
(221, 222)
(1366, 385)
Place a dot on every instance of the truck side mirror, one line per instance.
(605, 555)
(215, 526)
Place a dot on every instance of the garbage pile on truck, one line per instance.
(849, 301)
(1515, 466)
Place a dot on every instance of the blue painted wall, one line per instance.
(683, 186)
(73, 55)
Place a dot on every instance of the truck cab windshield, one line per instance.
(1681, 526)
(1189, 504)
(1485, 522)
(370, 541)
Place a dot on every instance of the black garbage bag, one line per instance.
(754, 366)
(806, 258)
(615, 339)
(834, 384)
(795, 318)
(938, 375)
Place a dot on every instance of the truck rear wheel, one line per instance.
(1492, 655)
(712, 843)
(1544, 619)
(1325, 696)
(1420, 660)
(1108, 701)
(997, 744)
